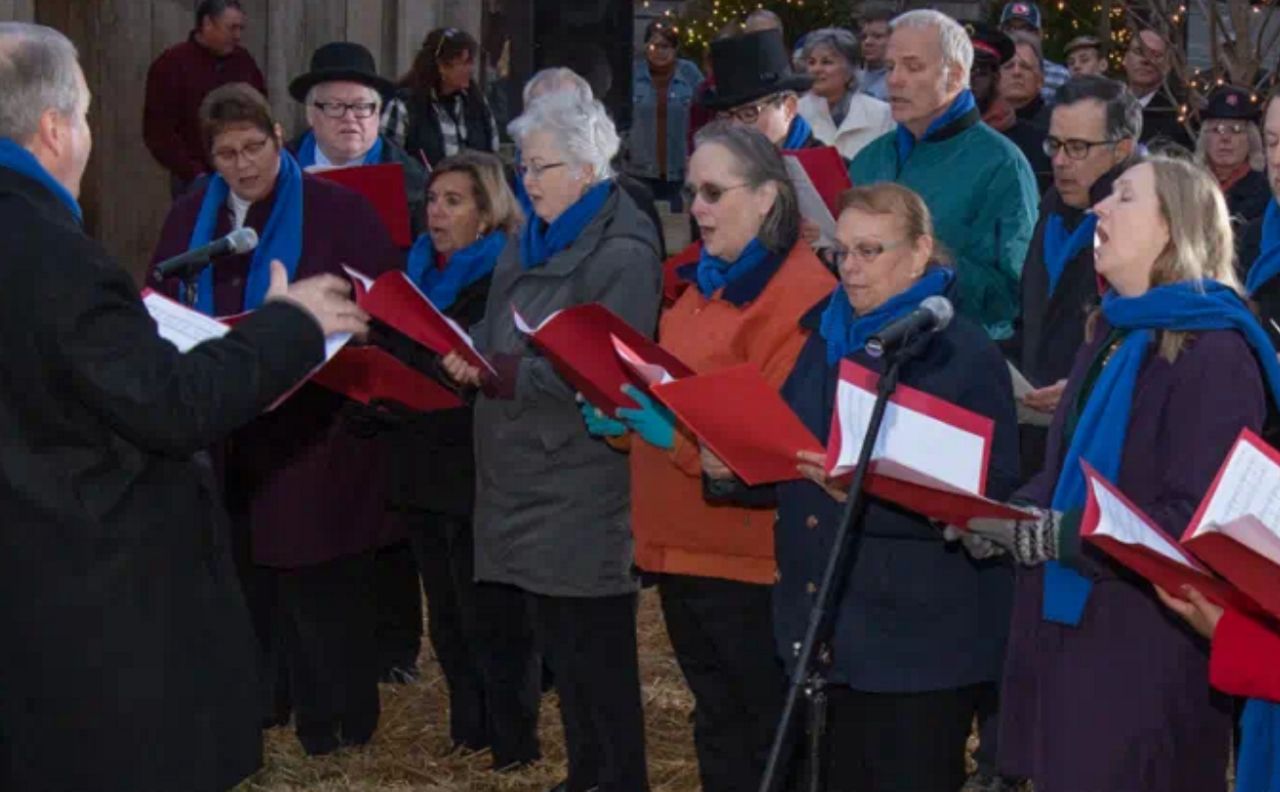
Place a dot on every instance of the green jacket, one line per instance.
(982, 195)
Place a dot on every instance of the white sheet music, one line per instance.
(812, 207)
(1117, 520)
(651, 373)
(910, 438)
(179, 325)
(1246, 503)
(1250, 484)
(1021, 387)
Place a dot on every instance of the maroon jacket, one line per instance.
(177, 83)
(308, 480)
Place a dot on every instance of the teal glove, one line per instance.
(599, 424)
(651, 421)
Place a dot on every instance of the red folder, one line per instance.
(393, 299)
(933, 498)
(743, 420)
(827, 171)
(366, 374)
(383, 186)
(1159, 568)
(650, 364)
(1238, 549)
(578, 342)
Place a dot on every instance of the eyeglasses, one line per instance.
(863, 252)
(228, 157)
(747, 114)
(339, 109)
(1224, 128)
(709, 193)
(1076, 149)
(534, 170)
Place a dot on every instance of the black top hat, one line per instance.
(1230, 102)
(751, 66)
(989, 41)
(344, 61)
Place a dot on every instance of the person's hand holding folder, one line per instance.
(651, 420)
(813, 466)
(1195, 609)
(460, 371)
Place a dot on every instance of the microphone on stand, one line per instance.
(242, 240)
(934, 314)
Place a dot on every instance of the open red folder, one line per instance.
(394, 299)
(1235, 529)
(650, 364)
(743, 420)
(578, 342)
(931, 456)
(827, 171)
(383, 186)
(1114, 524)
(364, 374)
(368, 374)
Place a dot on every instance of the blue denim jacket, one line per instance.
(642, 142)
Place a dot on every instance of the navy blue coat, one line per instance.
(918, 614)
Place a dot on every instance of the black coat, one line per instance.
(433, 466)
(918, 614)
(128, 661)
(423, 137)
(1266, 301)
(1029, 139)
(1160, 124)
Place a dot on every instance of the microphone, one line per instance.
(242, 240)
(934, 314)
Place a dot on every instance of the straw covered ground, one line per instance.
(410, 750)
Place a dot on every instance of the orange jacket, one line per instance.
(676, 531)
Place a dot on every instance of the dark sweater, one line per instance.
(177, 83)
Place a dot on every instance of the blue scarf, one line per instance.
(797, 135)
(1267, 265)
(906, 142)
(1099, 433)
(465, 267)
(1258, 760)
(846, 333)
(1060, 247)
(307, 151)
(539, 241)
(715, 273)
(281, 238)
(17, 158)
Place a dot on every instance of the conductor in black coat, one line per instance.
(128, 658)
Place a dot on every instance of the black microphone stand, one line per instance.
(191, 281)
(807, 680)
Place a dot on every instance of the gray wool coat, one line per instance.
(553, 502)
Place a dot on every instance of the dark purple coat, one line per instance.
(1122, 702)
(307, 479)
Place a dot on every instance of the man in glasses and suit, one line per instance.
(344, 95)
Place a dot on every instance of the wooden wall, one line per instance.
(126, 193)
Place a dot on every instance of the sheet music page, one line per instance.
(1117, 520)
(333, 345)
(1249, 485)
(651, 373)
(182, 326)
(812, 207)
(1021, 387)
(359, 277)
(911, 438)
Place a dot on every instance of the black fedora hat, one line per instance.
(752, 66)
(344, 61)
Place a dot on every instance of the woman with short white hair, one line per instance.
(839, 113)
(552, 503)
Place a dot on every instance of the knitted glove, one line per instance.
(1031, 542)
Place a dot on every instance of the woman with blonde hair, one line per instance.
(1102, 689)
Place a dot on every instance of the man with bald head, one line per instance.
(128, 661)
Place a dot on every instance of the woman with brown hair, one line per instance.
(440, 110)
